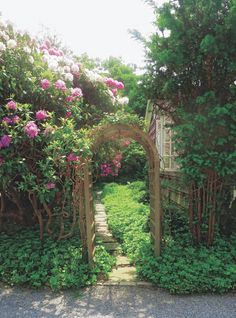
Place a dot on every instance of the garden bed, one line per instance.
(183, 267)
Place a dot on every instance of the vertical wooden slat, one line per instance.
(89, 216)
(155, 206)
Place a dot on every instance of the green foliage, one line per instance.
(191, 66)
(185, 269)
(134, 163)
(24, 259)
(133, 88)
(182, 267)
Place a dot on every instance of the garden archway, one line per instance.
(117, 131)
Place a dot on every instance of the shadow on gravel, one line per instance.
(113, 301)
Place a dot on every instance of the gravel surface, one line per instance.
(113, 301)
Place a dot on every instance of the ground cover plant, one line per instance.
(26, 260)
(182, 267)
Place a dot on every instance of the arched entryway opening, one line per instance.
(118, 131)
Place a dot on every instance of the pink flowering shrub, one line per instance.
(47, 103)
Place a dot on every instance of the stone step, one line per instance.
(126, 273)
(122, 261)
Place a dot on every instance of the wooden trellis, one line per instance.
(115, 132)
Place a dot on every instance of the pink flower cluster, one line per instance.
(41, 114)
(76, 94)
(106, 169)
(14, 120)
(60, 85)
(73, 158)
(45, 83)
(111, 169)
(47, 47)
(114, 84)
(31, 129)
(11, 105)
(5, 141)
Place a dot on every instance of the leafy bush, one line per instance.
(182, 267)
(24, 259)
(47, 104)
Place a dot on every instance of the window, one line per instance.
(164, 142)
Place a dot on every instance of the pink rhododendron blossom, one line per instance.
(5, 141)
(113, 83)
(12, 105)
(43, 47)
(68, 114)
(50, 185)
(76, 92)
(41, 114)
(60, 85)
(120, 85)
(72, 157)
(53, 51)
(45, 83)
(6, 120)
(70, 99)
(109, 81)
(31, 129)
(15, 119)
(106, 169)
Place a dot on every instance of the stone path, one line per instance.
(123, 273)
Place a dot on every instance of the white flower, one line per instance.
(53, 65)
(75, 69)
(67, 61)
(66, 69)
(27, 49)
(123, 100)
(69, 77)
(2, 46)
(93, 76)
(31, 59)
(11, 44)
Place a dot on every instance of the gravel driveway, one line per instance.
(113, 301)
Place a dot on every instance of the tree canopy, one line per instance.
(191, 76)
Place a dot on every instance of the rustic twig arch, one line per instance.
(117, 131)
